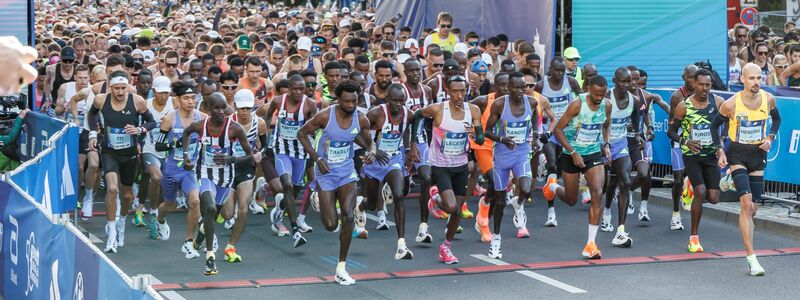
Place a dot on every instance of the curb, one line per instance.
(731, 216)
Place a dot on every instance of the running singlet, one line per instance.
(221, 175)
(174, 159)
(414, 103)
(335, 145)
(734, 72)
(449, 144)
(696, 126)
(749, 126)
(585, 131)
(287, 125)
(636, 126)
(390, 138)
(252, 137)
(560, 99)
(488, 144)
(517, 128)
(116, 140)
(620, 118)
(153, 135)
(441, 95)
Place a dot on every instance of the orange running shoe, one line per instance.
(465, 212)
(591, 251)
(694, 244)
(548, 194)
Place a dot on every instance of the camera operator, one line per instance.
(9, 160)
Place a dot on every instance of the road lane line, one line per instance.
(532, 274)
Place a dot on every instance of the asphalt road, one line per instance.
(548, 264)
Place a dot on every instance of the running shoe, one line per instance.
(314, 201)
(643, 215)
(446, 255)
(435, 211)
(180, 201)
(360, 232)
(220, 219)
(138, 218)
(465, 213)
(111, 241)
(548, 193)
(551, 219)
(152, 226)
(301, 224)
(694, 244)
(402, 251)
(622, 240)
(255, 208)
(459, 229)
(520, 218)
(586, 197)
(755, 268)
(120, 232)
(382, 225)
(200, 237)
(298, 240)
(590, 251)
(522, 233)
(276, 214)
(726, 183)
(163, 230)
(86, 208)
(229, 223)
(483, 213)
(360, 215)
(422, 234)
(631, 209)
(231, 256)
(343, 278)
(189, 251)
(605, 223)
(675, 223)
(494, 248)
(211, 265)
(279, 229)
(388, 198)
(478, 191)
(687, 197)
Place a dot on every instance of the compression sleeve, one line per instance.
(92, 118)
(776, 121)
(149, 121)
(673, 130)
(479, 135)
(715, 125)
(415, 124)
(162, 144)
(262, 138)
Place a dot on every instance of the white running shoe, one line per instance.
(360, 215)
(111, 241)
(86, 206)
(298, 240)
(120, 232)
(605, 223)
(343, 278)
(494, 248)
(301, 224)
(276, 214)
(622, 240)
(255, 208)
(755, 268)
(189, 251)
(314, 201)
(511, 199)
(676, 224)
(520, 218)
(643, 215)
(551, 219)
(631, 210)
(382, 225)
(402, 251)
(422, 235)
(163, 230)
(229, 223)
(388, 198)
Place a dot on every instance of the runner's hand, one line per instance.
(381, 156)
(641, 141)
(722, 159)
(607, 153)
(132, 130)
(257, 157)
(414, 154)
(187, 163)
(694, 146)
(766, 144)
(92, 146)
(322, 165)
(577, 160)
(509, 142)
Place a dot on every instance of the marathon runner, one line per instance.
(676, 155)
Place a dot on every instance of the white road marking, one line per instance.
(375, 218)
(532, 274)
(169, 295)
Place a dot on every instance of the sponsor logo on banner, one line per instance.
(32, 256)
(14, 248)
(795, 141)
(77, 291)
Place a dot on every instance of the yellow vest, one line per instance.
(446, 45)
(749, 126)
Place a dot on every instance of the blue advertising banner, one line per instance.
(38, 130)
(782, 157)
(53, 180)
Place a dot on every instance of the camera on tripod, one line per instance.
(10, 106)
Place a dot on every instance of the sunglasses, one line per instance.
(388, 54)
(782, 66)
(68, 61)
(573, 59)
(530, 85)
(229, 87)
(402, 37)
(446, 26)
(763, 52)
(311, 84)
(172, 66)
(438, 66)
(377, 36)
(388, 33)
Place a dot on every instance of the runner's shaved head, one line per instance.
(689, 71)
(750, 69)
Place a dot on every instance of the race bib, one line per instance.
(751, 131)
(210, 152)
(518, 131)
(238, 150)
(454, 143)
(338, 151)
(702, 133)
(288, 129)
(619, 127)
(558, 105)
(390, 142)
(118, 139)
(154, 134)
(588, 134)
(178, 152)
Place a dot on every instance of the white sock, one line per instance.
(751, 258)
(496, 237)
(401, 242)
(676, 214)
(621, 228)
(592, 232)
(606, 212)
(423, 227)
(554, 187)
(381, 214)
(551, 210)
(209, 254)
(89, 194)
(111, 223)
(643, 206)
(340, 266)
(301, 218)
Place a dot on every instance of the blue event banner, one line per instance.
(781, 158)
(38, 130)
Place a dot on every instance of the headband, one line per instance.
(118, 79)
(183, 90)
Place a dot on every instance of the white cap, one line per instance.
(137, 51)
(135, 31)
(304, 43)
(162, 84)
(112, 42)
(208, 25)
(114, 30)
(158, 20)
(148, 55)
(411, 42)
(344, 23)
(244, 98)
(213, 34)
(402, 57)
(189, 18)
(127, 32)
(281, 14)
(346, 10)
(486, 58)
(460, 47)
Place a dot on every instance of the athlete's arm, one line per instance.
(195, 127)
(270, 111)
(48, 81)
(494, 114)
(364, 140)
(480, 102)
(776, 117)
(476, 119)
(539, 86)
(372, 100)
(149, 121)
(675, 123)
(73, 103)
(722, 118)
(428, 93)
(317, 121)
(163, 144)
(790, 71)
(238, 134)
(375, 115)
(673, 102)
(574, 85)
(607, 131)
(60, 108)
(428, 112)
(434, 86)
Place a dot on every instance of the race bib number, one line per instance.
(238, 150)
(118, 139)
(178, 152)
(210, 152)
(559, 105)
(338, 151)
(619, 127)
(702, 133)
(390, 142)
(454, 143)
(518, 131)
(288, 129)
(588, 134)
(751, 131)
(154, 134)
